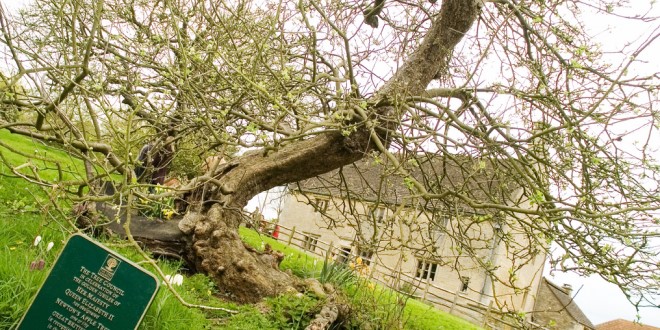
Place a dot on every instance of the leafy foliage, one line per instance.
(338, 274)
(293, 312)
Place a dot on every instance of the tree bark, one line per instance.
(242, 273)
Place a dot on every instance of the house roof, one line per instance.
(624, 325)
(572, 308)
(456, 177)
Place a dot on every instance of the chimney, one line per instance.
(568, 289)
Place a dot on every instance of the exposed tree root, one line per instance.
(207, 243)
(329, 314)
(325, 318)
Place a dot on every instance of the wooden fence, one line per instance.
(453, 302)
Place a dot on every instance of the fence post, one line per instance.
(426, 290)
(293, 232)
(487, 315)
(397, 281)
(453, 303)
(374, 264)
(328, 255)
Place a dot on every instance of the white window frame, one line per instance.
(320, 204)
(426, 270)
(465, 283)
(366, 256)
(378, 213)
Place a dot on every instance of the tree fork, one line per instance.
(209, 240)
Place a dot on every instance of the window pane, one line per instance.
(434, 267)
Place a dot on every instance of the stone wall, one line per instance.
(551, 312)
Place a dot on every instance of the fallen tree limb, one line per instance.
(162, 238)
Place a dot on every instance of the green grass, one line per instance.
(18, 283)
(49, 161)
(27, 211)
(379, 306)
(300, 263)
(423, 316)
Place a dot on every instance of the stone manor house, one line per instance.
(439, 247)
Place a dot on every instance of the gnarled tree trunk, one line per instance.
(244, 274)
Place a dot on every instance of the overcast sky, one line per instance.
(599, 300)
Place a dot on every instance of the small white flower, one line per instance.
(50, 246)
(174, 280)
(37, 240)
(178, 279)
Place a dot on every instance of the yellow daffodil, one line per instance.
(168, 213)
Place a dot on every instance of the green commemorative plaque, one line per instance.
(91, 287)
